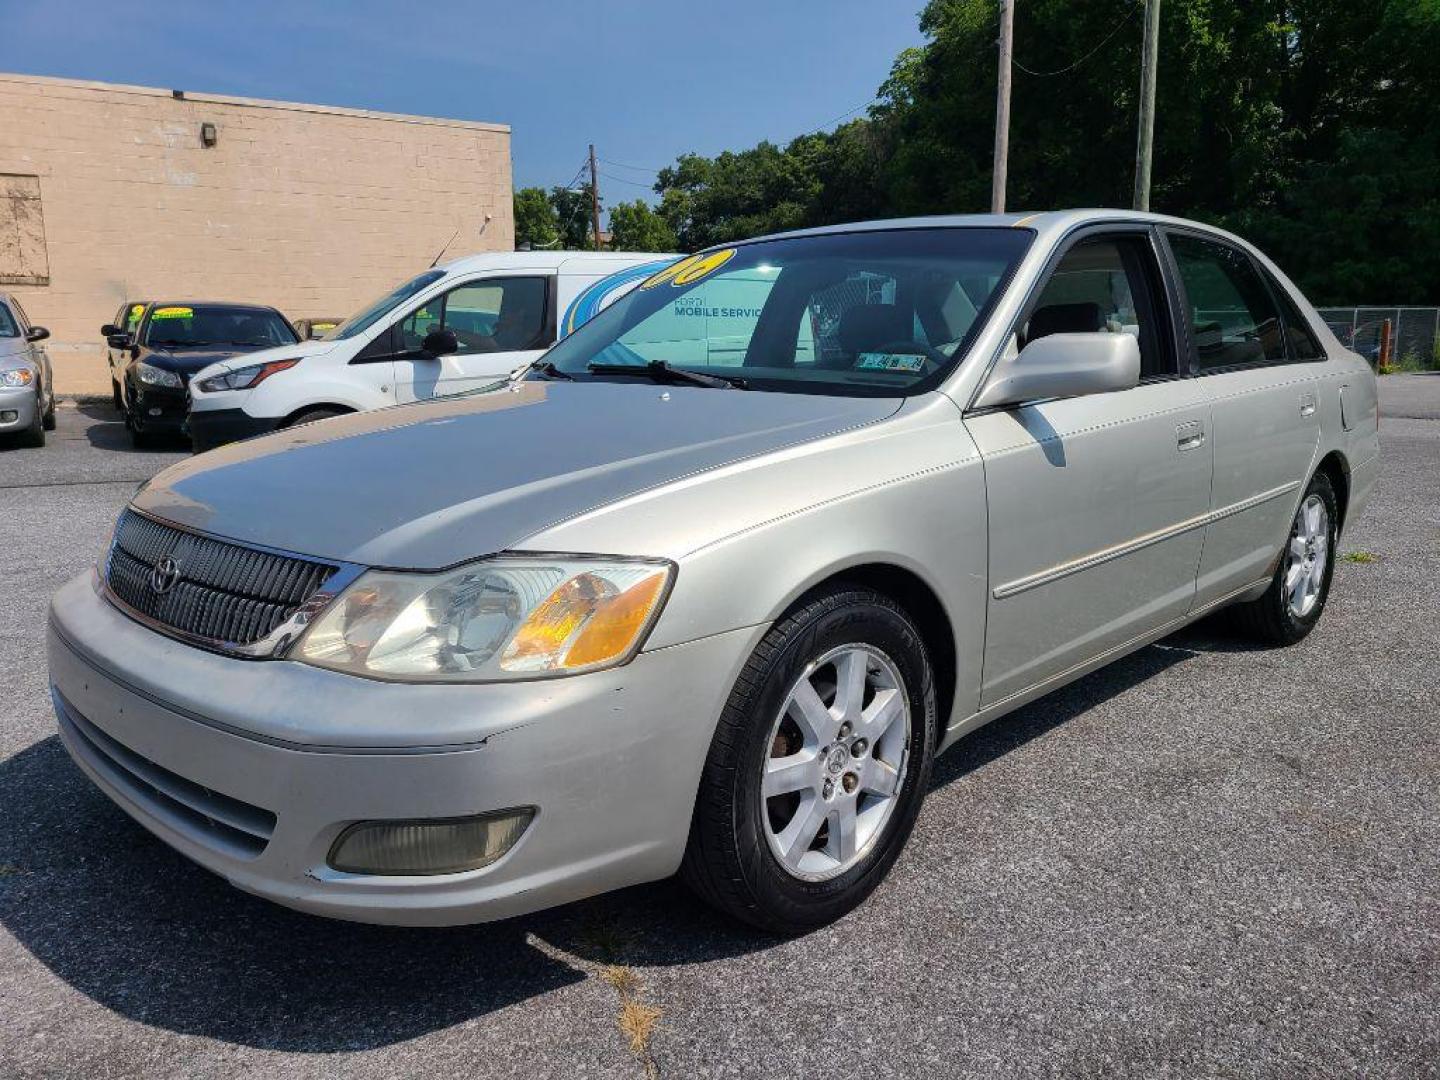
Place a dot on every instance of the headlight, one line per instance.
(154, 376)
(245, 378)
(17, 377)
(503, 618)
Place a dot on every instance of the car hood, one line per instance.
(434, 484)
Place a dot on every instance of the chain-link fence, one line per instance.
(1414, 332)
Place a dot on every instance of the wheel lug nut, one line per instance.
(829, 788)
(845, 730)
(850, 782)
(859, 747)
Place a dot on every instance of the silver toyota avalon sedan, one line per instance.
(708, 587)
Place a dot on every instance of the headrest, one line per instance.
(866, 328)
(1083, 318)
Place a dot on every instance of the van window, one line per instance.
(490, 315)
(1233, 320)
(372, 312)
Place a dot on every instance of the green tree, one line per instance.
(535, 220)
(634, 226)
(572, 213)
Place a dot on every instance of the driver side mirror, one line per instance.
(37, 333)
(1064, 365)
(117, 339)
(440, 343)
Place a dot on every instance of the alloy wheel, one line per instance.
(838, 752)
(1306, 556)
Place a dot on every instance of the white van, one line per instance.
(453, 328)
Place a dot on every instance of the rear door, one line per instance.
(1097, 504)
(1264, 406)
(500, 323)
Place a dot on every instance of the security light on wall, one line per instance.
(207, 134)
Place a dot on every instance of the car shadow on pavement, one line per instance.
(141, 930)
(111, 433)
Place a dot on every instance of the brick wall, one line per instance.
(310, 208)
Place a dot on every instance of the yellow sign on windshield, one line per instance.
(688, 271)
(173, 313)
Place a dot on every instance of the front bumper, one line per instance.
(19, 400)
(157, 409)
(253, 768)
(210, 428)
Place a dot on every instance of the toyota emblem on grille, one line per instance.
(164, 575)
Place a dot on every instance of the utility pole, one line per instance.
(1148, 66)
(594, 197)
(1002, 108)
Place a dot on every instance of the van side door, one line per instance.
(1097, 504)
(499, 323)
(1264, 406)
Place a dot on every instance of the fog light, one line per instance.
(439, 846)
(154, 412)
(9, 416)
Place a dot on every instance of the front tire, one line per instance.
(312, 415)
(1295, 600)
(115, 396)
(34, 435)
(818, 766)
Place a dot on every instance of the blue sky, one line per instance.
(643, 80)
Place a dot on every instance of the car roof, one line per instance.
(1044, 222)
(549, 260)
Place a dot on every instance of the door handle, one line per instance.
(1189, 436)
(1307, 405)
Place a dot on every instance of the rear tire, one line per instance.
(791, 855)
(1295, 600)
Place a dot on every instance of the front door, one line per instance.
(499, 322)
(1097, 504)
(1266, 412)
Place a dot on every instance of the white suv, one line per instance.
(452, 328)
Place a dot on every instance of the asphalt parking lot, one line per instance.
(1207, 859)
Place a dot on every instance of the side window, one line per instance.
(1233, 319)
(1303, 343)
(497, 314)
(419, 323)
(1107, 284)
(8, 327)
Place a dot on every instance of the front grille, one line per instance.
(218, 592)
(218, 821)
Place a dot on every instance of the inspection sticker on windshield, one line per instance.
(173, 313)
(885, 361)
(688, 271)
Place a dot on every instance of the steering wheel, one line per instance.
(933, 357)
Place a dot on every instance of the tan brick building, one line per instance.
(109, 193)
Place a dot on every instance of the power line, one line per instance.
(622, 165)
(1103, 42)
(623, 180)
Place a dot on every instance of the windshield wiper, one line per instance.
(550, 371)
(660, 371)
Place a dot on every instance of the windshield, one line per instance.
(367, 316)
(868, 313)
(216, 324)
